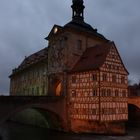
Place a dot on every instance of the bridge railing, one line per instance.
(41, 99)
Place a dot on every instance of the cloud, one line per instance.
(25, 24)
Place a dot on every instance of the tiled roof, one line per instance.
(32, 59)
(93, 58)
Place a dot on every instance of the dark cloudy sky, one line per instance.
(25, 23)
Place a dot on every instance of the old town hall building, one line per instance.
(84, 67)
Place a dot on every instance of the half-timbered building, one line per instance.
(83, 66)
(98, 87)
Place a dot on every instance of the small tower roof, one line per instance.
(78, 23)
(78, 9)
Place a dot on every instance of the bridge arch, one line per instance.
(133, 115)
(52, 120)
(55, 105)
(134, 101)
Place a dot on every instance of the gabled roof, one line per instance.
(113, 44)
(32, 59)
(93, 58)
(52, 31)
(79, 26)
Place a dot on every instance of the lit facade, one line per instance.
(30, 78)
(83, 66)
(98, 95)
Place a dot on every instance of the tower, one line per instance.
(78, 10)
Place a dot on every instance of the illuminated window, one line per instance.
(58, 89)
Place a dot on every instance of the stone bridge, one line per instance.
(134, 111)
(134, 100)
(56, 106)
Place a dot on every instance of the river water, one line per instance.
(15, 131)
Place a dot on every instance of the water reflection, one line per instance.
(14, 131)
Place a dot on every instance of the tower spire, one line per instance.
(78, 10)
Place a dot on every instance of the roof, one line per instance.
(32, 59)
(93, 58)
(77, 25)
(84, 27)
(52, 31)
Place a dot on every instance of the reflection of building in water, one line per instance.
(83, 66)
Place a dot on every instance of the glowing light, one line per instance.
(55, 30)
(58, 89)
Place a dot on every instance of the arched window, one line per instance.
(58, 89)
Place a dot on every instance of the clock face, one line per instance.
(55, 30)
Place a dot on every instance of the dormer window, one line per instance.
(55, 30)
